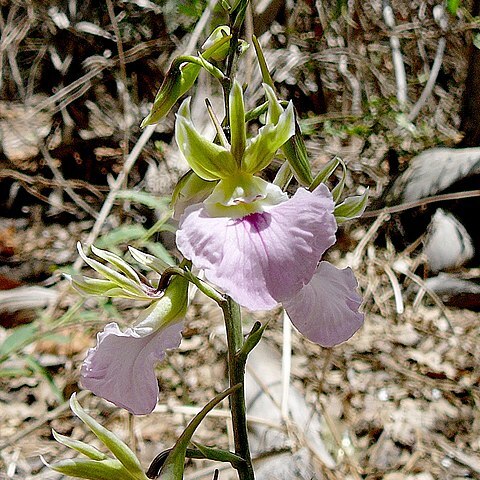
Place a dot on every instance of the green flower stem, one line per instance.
(236, 374)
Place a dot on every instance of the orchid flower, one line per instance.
(259, 246)
(121, 367)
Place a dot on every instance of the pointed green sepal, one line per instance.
(168, 309)
(118, 448)
(130, 286)
(90, 286)
(175, 463)
(352, 207)
(117, 262)
(261, 149)
(324, 174)
(207, 159)
(149, 261)
(266, 77)
(294, 148)
(238, 133)
(84, 448)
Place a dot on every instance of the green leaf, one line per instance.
(39, 369)
(352, 207)
(174, 464)
(19, 337)
(84, 448)
(144, 198)
(122, 234)
(119, 449)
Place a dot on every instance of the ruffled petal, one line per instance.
(326, 309)
(120, 368)
(263, 258)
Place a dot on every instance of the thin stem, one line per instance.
(236, 374)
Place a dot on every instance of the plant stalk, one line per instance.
(236, 375)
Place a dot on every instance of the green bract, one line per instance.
(98, 466)
(211, 161)
(121, 282)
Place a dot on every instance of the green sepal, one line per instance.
(215, 46)
(294, 148)
(238, 133)
(84, 448)
(174, 465)
(168, 309)
(147, 260)
(116, 261)
(109, 469)
(266, 77)
(352, 207)
(324, 174)
(91, 286)
(118, 279)
(219, 455)
(296, 153)
(262, 148)
(207, 159)
(118, 448)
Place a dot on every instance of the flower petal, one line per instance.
(262, 258)
(121, 367)
(326, 309)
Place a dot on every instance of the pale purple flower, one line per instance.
(121, 367)
(272, 256)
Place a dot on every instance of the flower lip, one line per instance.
(262, 258)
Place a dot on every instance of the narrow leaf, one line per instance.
(175, 462)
